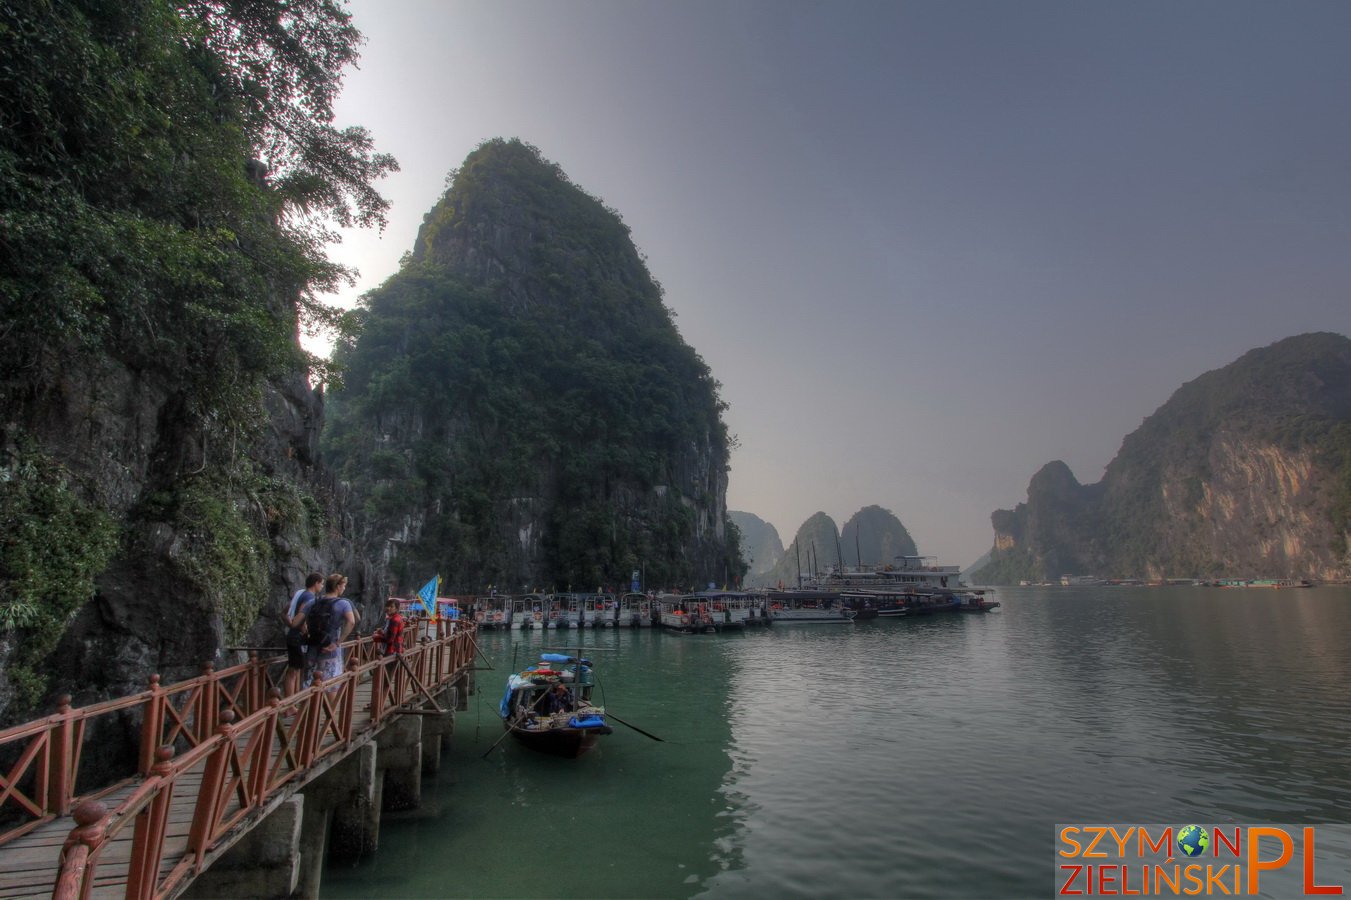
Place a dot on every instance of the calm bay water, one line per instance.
(916, 758)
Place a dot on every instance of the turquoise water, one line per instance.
(913, 758)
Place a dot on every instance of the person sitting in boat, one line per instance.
(557, 700)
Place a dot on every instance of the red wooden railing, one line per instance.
(234, 727)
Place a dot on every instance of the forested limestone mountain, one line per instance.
(520, 411)
(873, 536)
(1244, 472)
(761, 548)
(160, 492)
(814, 549)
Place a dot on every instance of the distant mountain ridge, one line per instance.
(872, 536)
(1244, 472)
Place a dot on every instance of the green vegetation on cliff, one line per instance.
(520, 393)
(169, 177)
(52, 545)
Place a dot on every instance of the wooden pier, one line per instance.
(219, 756)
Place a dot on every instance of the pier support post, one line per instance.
(356, 810)
(266, 862)
(401, 763)
(436, 731)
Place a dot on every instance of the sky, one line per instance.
(926, 248)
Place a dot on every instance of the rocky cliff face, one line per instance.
(760, 544)
(520, 410)
(873, 536)
(1245, 472)
(126, 447)
(814, 549)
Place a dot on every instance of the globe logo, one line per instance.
(1193, 840)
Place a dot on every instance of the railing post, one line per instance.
(56, 791)
(309, 729)
(147, 845)
(349, 699)
(209, 712)
(152, 726)
(257, 683)
(379, 676)
(210, 795)
(76, 874)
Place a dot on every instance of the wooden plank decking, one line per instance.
(30, 864)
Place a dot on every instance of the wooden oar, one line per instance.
(505, 732)
(610, 715)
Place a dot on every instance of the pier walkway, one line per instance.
(217, 756)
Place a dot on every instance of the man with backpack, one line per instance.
(327, 621)
(295, 637)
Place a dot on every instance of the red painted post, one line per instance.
(211, 795)
(310, 731)
(257, 683)
(379, 680)
(58, 778)
(152, 726)
(76, 874)
(147, 845)
(208, 712)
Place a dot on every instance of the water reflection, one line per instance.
(915, 758)
(633, 817)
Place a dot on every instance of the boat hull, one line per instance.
(569, 743)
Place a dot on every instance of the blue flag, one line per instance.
(428, 595)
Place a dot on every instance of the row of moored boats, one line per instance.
(912, 586)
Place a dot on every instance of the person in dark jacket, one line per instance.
(557, 700)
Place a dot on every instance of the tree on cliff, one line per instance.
(169, 177)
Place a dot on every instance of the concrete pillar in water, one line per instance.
(436, 732)
(352, 789)
(314, 830)
(401, 763)
(266, 862)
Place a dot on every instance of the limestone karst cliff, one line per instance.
(873, 536)
(160, 493)
(520, 411)
(1244, 472)
(761, 547)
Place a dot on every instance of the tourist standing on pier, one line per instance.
(391, 633)
(328, 620)
(295, 637)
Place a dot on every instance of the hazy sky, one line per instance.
(926, 247)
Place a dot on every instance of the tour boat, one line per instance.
(807, 608)
(635, 610)
(710, 612)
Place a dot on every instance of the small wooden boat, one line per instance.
(976, 601)
(548, 706)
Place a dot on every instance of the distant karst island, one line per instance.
(1244, 473)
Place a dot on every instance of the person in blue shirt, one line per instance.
(295, 637)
